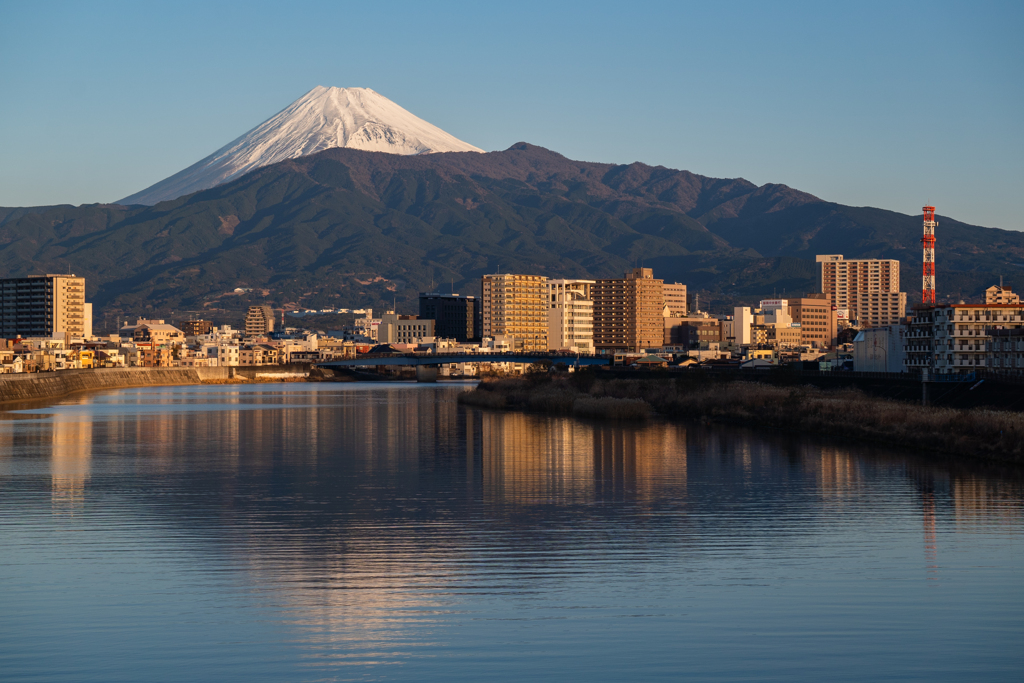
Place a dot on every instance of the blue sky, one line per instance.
(881, 104)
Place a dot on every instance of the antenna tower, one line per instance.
(928, 269)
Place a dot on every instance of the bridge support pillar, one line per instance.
(426, 373)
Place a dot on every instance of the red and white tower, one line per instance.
(928, 270)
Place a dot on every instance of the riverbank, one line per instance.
(50, 386)
(850, 414)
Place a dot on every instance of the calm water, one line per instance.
(381, 532)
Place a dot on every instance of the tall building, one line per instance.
(44, 306)
(259, 321)
(675, 298)
(571, 316)
(628, 312)
(455, 317)
(515, 306)
(868, 289)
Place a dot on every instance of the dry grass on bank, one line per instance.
(848, 413)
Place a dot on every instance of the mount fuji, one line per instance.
(323, 118)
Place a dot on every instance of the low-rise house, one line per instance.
(258, 354)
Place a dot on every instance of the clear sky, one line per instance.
(883, 104)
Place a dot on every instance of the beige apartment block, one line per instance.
(259, 321)
(997, 294)
(675, 299)
(628, 312)
(819, 325)
(868, 289)
(516, 306)
(44, 306)
(570, 316)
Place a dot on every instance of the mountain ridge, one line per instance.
(350, 228)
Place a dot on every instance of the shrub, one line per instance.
(609, 408)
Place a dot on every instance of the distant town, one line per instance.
(858, 321)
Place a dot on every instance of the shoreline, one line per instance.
(54, 386)
(844, 413)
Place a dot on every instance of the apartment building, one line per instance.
(817, 319)
(675, 299)
(259, 321)
(1006, 351)
(628, 312)
(571, 315)
(515, 306)
(195, 328)
(44, 306)
(691, 332)
(455, 317)
(997, 294)
(404, 329)
(867, 289)
(156, 333)
(954, 338)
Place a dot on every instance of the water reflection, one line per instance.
(351, 530)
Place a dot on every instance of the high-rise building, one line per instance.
(868, 289)
(628, 312)
(259, 321)
(455, 317)
(675, 298)
(44, 306)
(515, 306)
(571, 315)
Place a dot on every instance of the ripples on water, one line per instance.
(353, 532)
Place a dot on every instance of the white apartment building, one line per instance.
(867, 289)
(570, 316)
(404, 329)
(954, 338)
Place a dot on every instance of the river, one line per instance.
(322, 532)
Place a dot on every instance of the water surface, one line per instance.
(309, 532)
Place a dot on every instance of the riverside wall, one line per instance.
(56, 385)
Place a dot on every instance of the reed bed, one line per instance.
(847, 413)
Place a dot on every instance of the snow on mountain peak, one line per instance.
(321, 119)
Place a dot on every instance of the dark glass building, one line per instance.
(455, 317)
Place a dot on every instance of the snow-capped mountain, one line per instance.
(321, 119)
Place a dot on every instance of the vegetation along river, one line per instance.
(312, 532)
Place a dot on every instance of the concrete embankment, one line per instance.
(56, 385)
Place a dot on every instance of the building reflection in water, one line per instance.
(365, 509)
(530, 459)
(71, 449)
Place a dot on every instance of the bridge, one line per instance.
(446, 358)
(427, 364)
